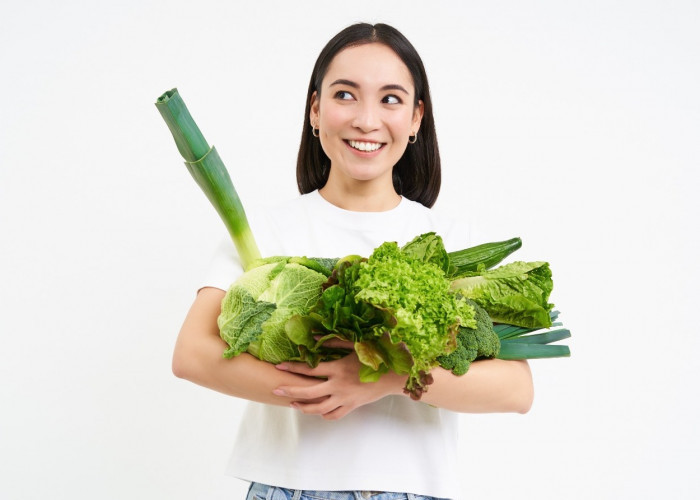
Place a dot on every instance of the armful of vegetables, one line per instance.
(407, 309)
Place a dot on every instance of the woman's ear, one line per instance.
(313, 113)
(417, 117)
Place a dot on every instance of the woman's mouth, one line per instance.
(366, 147)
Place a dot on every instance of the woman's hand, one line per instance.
(340, 391)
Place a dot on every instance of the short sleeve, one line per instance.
(224, 267)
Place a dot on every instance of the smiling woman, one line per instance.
(368, 169)
(374, 84)
(365, 114)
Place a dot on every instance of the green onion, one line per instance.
(208, 170)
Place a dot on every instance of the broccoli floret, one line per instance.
(472, 343)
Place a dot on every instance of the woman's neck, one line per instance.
(361, 197)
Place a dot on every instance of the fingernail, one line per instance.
(294, 405)
(282, 366)
(279, 392)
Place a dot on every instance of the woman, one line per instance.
(368, 170)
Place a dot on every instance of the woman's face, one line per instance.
(365, 113)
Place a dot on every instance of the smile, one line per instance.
(365, 146)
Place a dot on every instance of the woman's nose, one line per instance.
(367, 117)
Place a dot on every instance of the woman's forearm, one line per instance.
(198, 358)
(490, 386)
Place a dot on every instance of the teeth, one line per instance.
(365, 146)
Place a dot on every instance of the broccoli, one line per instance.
(472, 343)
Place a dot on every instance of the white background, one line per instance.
(574, 125)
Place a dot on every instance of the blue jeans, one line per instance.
(259, 491)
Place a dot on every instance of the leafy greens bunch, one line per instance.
(396, 307)
(400, 307)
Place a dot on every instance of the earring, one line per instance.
(314, 131)
(414, 137)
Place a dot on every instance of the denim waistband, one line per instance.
(260, 491)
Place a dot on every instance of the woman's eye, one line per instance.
(343, 95)
(391, 99)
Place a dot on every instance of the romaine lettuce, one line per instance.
(515, 293)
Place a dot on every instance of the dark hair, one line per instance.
(417, 173)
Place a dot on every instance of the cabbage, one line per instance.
(257, 306)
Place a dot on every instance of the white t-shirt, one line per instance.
(394, 444)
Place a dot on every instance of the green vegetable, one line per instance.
(472, 343)
(208, 170)
(428, 247)
(257, 306)
(533, 351)
(515, 293)
(481, 257)
(529, 343)
(395, 306)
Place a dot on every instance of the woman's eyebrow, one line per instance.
(350, 83)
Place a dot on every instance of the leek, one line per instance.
(519, 342)
(208, 170)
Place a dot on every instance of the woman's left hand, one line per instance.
(341, 392)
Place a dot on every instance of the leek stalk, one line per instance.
(518, 342)
(208, 170)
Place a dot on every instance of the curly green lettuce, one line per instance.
(396, 307)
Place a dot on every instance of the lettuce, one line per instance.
(396, 307)
(515, 293)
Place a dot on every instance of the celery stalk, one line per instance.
(208, 170)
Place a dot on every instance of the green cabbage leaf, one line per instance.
(257, 306)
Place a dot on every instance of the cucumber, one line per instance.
(483, 256)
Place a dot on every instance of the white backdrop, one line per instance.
(574, 125)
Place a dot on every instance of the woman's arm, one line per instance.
(198, 358)
(490, 386)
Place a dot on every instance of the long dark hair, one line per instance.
(417, 174)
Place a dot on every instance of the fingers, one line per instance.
(314, 400)
(327, 409)
(323, 370)
(299, 368)
(335, 395)
(302, 393)
(339, 344)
